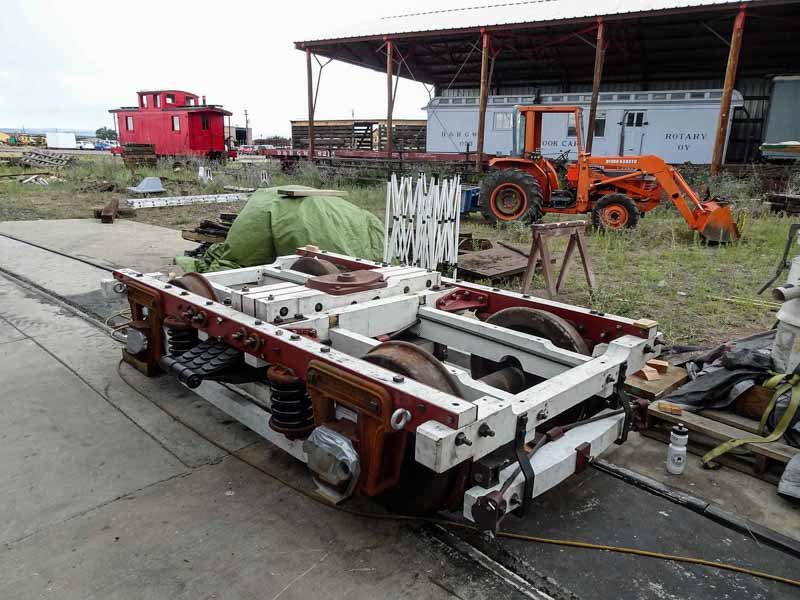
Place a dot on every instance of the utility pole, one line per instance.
(247, 135)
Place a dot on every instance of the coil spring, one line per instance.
(292, 413)
(180, 339)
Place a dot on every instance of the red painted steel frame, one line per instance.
(279, 349)
(592, 325)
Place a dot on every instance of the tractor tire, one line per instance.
(615, 212)
(509, 195)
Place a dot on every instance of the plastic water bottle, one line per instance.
(676, 452)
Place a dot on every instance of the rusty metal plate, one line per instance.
(347, 283)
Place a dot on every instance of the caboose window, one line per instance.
(503, 120)
(204, 121)
(189, 101)
(599, 124)
(170, 98)
(129, 123)
(144, 101)
(176, 123)
(158, 100)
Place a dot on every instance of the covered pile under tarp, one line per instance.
(271, 225)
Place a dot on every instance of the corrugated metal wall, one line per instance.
(747, 126)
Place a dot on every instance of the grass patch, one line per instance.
(660, 270)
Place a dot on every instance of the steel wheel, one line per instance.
(420, 490)
(195, 283)
(314, 266)
(533, 322)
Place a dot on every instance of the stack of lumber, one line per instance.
(785, 203)
(210, 232)
(139, 155)
(41, 158)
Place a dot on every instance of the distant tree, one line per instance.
(273, 140)
(104, 133)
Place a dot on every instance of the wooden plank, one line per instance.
(673, 378)
(731, 418)
(722, 432)
(308, 193)
(491, 263)
(193, 236)
(110, 211)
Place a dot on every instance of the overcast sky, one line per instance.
(66, 63)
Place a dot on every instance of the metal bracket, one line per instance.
(625, 404)
(524, 465)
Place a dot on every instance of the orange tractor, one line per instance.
(615, 189)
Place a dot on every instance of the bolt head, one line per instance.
(398, 379)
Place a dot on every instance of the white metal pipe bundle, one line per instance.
(422, 221)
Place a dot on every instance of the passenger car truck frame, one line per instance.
(615, 189)
(393, 381)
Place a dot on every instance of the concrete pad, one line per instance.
(228, 531)
(94, 356)
(65, 449)
(8, 333)
(33, 314)
(731, 490)
(123, 243)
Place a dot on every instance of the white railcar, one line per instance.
(679, 126)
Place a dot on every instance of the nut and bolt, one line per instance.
(325, 349)
(462, 440)
(485, 431)
(294, 336)
(398, 379)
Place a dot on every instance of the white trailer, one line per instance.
(679, 126)
(61, 141)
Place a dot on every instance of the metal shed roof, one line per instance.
(509, 13)
(548, 42)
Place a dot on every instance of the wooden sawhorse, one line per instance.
(540, 252)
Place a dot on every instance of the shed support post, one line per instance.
(310, 77)
(483, 100)
(727, 91)
(389, 95)
(599, 58)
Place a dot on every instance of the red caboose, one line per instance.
(176, 122)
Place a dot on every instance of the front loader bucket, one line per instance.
(715, 223)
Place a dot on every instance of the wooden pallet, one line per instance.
(765, 461)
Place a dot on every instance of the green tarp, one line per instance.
(271, 225)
